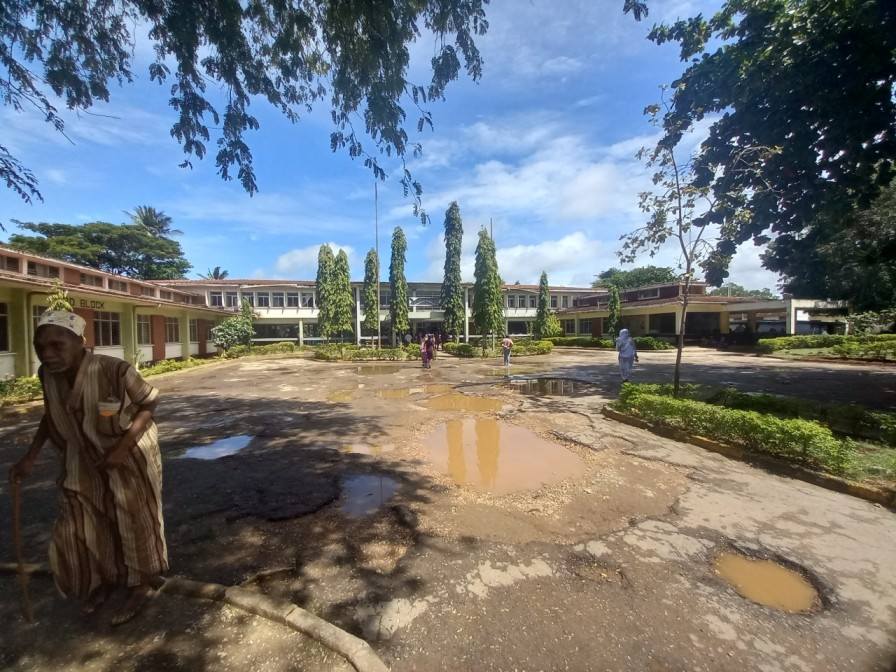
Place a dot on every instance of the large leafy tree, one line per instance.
(452, 289)
(343, 296)
(546, 323)
(126, 249)
(370, 293)
(398, 284)
(325, 288)
(852, 258)
(806, 123)
(236, 330)
(636, 277)
(351, 56)
(732, 289)
(488, 299)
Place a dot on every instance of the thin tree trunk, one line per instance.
(676, 381)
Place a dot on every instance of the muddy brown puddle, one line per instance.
(498, 457)
(405, 392)
(463, 402)
(766, 582)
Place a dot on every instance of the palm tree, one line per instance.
(156, 222)
(216, 273)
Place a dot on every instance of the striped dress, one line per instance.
(110, 528)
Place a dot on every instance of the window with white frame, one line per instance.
(292, 299)
(277, 299)
(118, 286)
(569, 327)
(521, 300)
(585, 326)
(144, 330)
(511, 300)
(91, 280)
(107, 328)
(165, 294)
(148, 291)
(194, 331)
(307, 299)
(564, 301)
(533, 301)
(262, 299)
(36, 312)
(172, 330)
(216, 298)
(649, 293)
(4, 327)
(553, 301)
(232, 300)
(250, 297)
(209, 325)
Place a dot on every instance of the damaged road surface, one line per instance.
(458, 519)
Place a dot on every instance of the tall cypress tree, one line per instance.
(398, 302)
(452, 291)
(488, 299)
(615, 307)
(324, 286)
(343, 296)
(370, 293)
(546, 323)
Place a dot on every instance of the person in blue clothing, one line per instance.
(628, 354)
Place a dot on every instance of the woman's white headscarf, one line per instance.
(625, 345)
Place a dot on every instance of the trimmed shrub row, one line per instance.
(525, 347)
(641, 342)
(335, 352)
(769, 345)
(800, 441)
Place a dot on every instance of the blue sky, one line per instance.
(542, 147)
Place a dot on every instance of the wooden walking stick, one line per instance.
(17, 540)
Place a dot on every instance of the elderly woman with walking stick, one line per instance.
(98, 415)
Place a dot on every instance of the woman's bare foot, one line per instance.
(137, 598)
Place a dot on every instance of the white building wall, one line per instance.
(7, 365)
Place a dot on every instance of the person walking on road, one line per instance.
(506, 346)
(98, 415)
(628, 354)
(428, 351)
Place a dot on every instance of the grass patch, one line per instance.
(873, 464)
(20, 390)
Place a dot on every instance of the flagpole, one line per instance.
(376, 219)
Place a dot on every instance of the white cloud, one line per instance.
(302, 262)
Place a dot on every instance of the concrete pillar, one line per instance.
(183, 325)
(725, 322)
(751, 321)
(466, 315)
(301, 332)
(791, 317)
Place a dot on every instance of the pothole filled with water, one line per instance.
(498, 457)
(463, 402)
(341, 396)
(546, 387)
(767, 582)
(404, 393)
(364, 494)
(220, 448)
(377, 369)
(513, 370)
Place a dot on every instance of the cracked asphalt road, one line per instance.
(611, 570)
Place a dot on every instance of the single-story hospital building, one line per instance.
(147, 321)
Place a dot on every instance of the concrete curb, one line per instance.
(883, 496)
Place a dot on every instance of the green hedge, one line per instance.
(800, 441)
(877, 350)
(20, 390)
(169, 365)
(281, 348)
(641, 342)
(335, 352)
(770, 345)
(523, 347)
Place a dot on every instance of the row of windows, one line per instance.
(262, 299)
